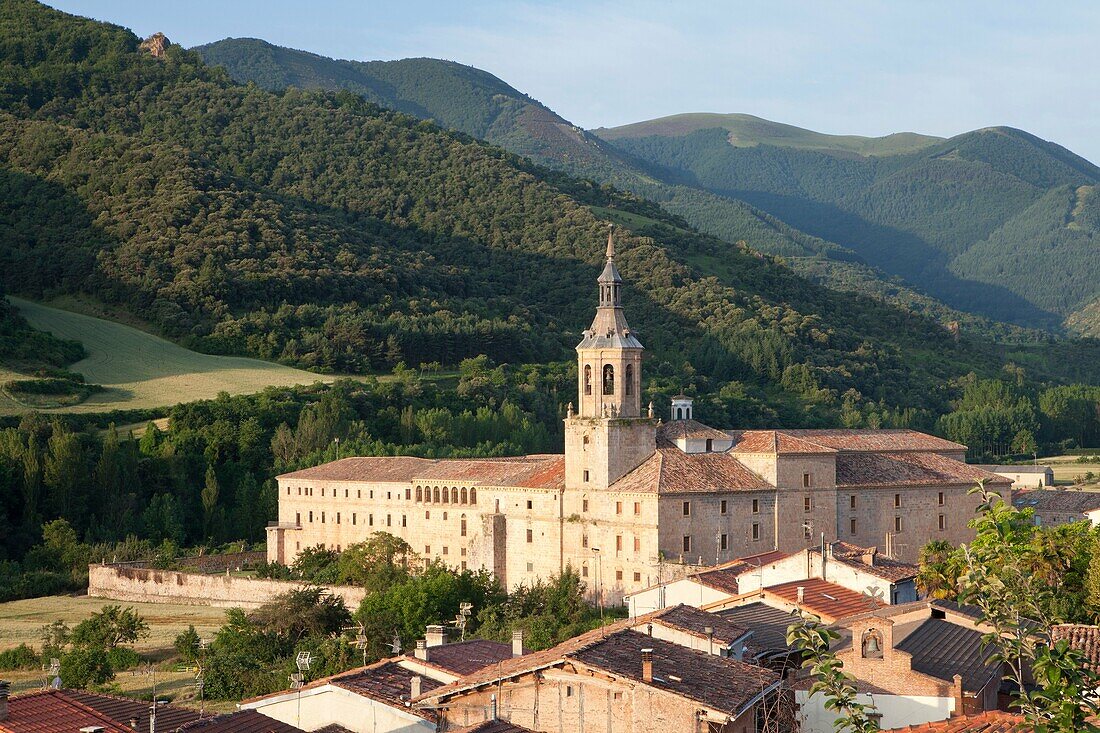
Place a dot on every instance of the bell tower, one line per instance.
(608, 435)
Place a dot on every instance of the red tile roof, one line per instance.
(880, 567)
(1085, 639)
(122, 709)
(876, 470)
(830, 601)
(536, 471)
(893, 441)
(691, 429)
(693, 621)
(243, 721)
(992, 721)
(1069, 501)
(495, 726)
(67, 711)
(774, 441)
(724, 577)
(672, 471)
(463, 657)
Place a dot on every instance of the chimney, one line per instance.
(414, 692)
(868, 556)
(421, 652)
(134, 723)
(801, 594)
(647, 665)
(493, 706)
(958, 695)
(517, 643)
(436, 635)
(5, 690)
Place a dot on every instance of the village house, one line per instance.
(617, 678)
(862, 569)
(916, 663)
(635, 500)
(1023, 476)
(1059, 506)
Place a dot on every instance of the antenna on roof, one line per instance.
(395, 645)
(465, 610)
(361, 642)
(53, 673)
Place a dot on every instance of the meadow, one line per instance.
(140, 370)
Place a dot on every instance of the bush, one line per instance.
(84, 667)
(21, 657)
(122, 657)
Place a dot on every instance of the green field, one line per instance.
(140, 370)
(1067, 469)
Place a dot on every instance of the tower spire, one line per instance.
(610, 242)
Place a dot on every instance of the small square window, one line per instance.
(530, 536)
(427, 549)
(444, 549)
(528, 503)
(637, 577)
(618, 575)
(530, 567)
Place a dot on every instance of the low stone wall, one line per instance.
(146, 585)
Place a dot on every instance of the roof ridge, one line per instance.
(66, 696)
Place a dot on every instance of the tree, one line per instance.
(939, 570)
(381, 562)
(187, 644)
(85, 667)
(209, 497)
(109, 628)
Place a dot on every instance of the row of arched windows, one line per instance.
(446, 495)
(609, 379)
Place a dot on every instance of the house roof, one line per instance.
(495, 726)
(768, 624)
(544, 471)
(774, 441)
(991, 721)
(690, 429)
(242, 721)
(1010, 468)
(672, 471)
(1070, 501)
(873, 470)
(463, 657)
(616, 649)
(66, 711)
(694, 621)
(1085, 639)
(868, 440)
(942, 649)
(880, 567)
(828, 600)
(386, 681)
(724, 577)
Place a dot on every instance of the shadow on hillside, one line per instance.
(904, 254)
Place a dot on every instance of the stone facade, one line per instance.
(636, 501)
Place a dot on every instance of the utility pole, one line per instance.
(599, 580)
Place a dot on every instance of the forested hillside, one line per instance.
(995, 221)
(479, 104)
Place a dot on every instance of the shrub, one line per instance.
(21, 657)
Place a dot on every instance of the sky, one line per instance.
(858, 67)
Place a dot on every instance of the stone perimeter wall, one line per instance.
(145, 585)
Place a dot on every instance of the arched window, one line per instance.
(464, 495)
(473, 495)
(454, 495)
(608, 379)
(435, 495)
(446, 495)
(420, 493)
(588, 379)
(629, 379)
(679, 413)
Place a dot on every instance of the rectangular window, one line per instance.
(687, 543)
(897, 524)
(444, 549)
(897, 500)
(725, 545)
(408, 494)
(530, 567)
(756, 530)
(943, 522)
(322, 517)
(584, 504)
(852, 501)
(805, 480)
(637, 545)
(298, 518)
(370, 520)
(586, 475)
(353, 519)
(528, 503)
(427, 513)
(322, 492)
(722, 506)
(807, 503)
(852, 527)
(311, 517)
(358, 493)
(618, 575)
(618, 543)
(389, 495)
(941, 498)
(404, 521)
(584, 540)
(584, 571)
(687, 508)
(427, 549)
(463, 564)
(337, 517)
(755, 506)
(345, 493)
(637, 508)
(530, 536)
(807, 532)
(637, 577)
(618, 507)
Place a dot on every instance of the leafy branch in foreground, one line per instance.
(814, 639)
(999, 581)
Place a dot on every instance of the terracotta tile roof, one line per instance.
(463, 657)
(942, 649)
(495, 726)
(720, 683)
(671, 471)
(122, 709)
(386, 681)
(536, 471)
(695, 622)
(726, 678)
(991, 721)
(1013, 467)
(871, 470)
(830, 601)
(892, 441)
(1085, 639)
(1068, 501)
(692, 429)
(724, 577)
(774, 441)
(242, 721)
(880, 567)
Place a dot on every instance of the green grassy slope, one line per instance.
(140, 370)
(748, 131)
(914, 214)
(479, 104)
